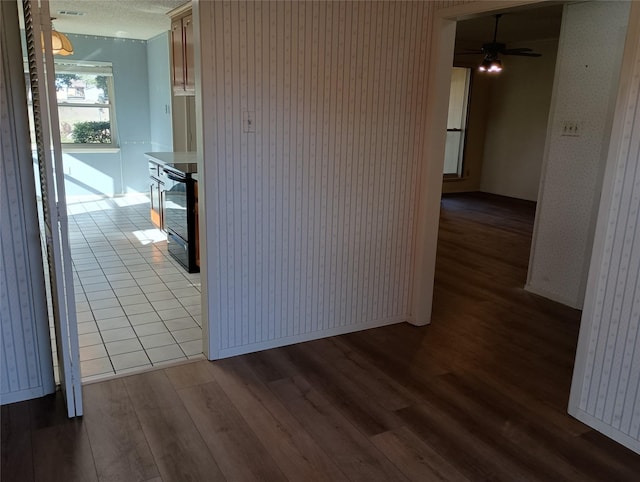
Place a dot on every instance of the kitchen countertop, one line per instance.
(184, 162)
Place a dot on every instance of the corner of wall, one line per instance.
(573, 166)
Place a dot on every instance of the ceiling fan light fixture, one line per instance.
(495, 67)
(492, 66)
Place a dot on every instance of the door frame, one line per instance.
(443, 37)
(430, 182)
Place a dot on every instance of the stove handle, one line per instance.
(173, 177)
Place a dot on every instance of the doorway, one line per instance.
(136, 307)
(586, 196)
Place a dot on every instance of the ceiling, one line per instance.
(514, 27)
(144, 19)
(134, 19)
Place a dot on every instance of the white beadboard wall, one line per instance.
(586, 79)
(312, 217)
(606, 384)
(26, 367)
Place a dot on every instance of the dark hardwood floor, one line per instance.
(480, 394)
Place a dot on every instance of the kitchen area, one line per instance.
(173, 195)
(136, 254)
(173, 176)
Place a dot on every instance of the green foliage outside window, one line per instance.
(101, 83)
(94, 132)
(65, 80)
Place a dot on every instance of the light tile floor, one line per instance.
(136, 306)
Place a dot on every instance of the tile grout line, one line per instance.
(94, 244)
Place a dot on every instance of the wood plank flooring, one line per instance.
(480, 394)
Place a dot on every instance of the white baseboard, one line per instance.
(21, 395)
(553, 296)
(611, 432)
(339, 330)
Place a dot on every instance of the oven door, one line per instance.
(175, 205)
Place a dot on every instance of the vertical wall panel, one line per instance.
(605, 389)
(586, 78)
(313, 225)
(25, 350)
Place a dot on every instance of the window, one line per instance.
(85, 104)
(84, 91)
(457, 121)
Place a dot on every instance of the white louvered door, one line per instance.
(49, 156)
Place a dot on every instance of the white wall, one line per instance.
(125, 170)
(604, 392)
(159, 76)
(311, 219)
(587, 70)
(516, 124)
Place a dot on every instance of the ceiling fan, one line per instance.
(491, 62)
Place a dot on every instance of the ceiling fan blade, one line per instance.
(518, 50)
(523, 54)
(494, 49)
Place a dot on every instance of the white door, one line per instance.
(49, 156)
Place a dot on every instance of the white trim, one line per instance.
(608, 430)
(430, 188)
(78, 66)
(206, 174)
(340, 330)
(543, 175)
(22, 395)
(85, 149)
(181, 10)
(104, 69)
(470, 10)
(552, 296)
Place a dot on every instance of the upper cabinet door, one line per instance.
(187, 38)
(177, 55)
(182, 55)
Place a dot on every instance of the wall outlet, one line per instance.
(249, 121)
(571, 128)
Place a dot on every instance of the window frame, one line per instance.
(464, 128)
(97, 68)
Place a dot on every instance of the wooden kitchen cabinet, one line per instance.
(156, 187)
(182, 52)
(183, 79)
